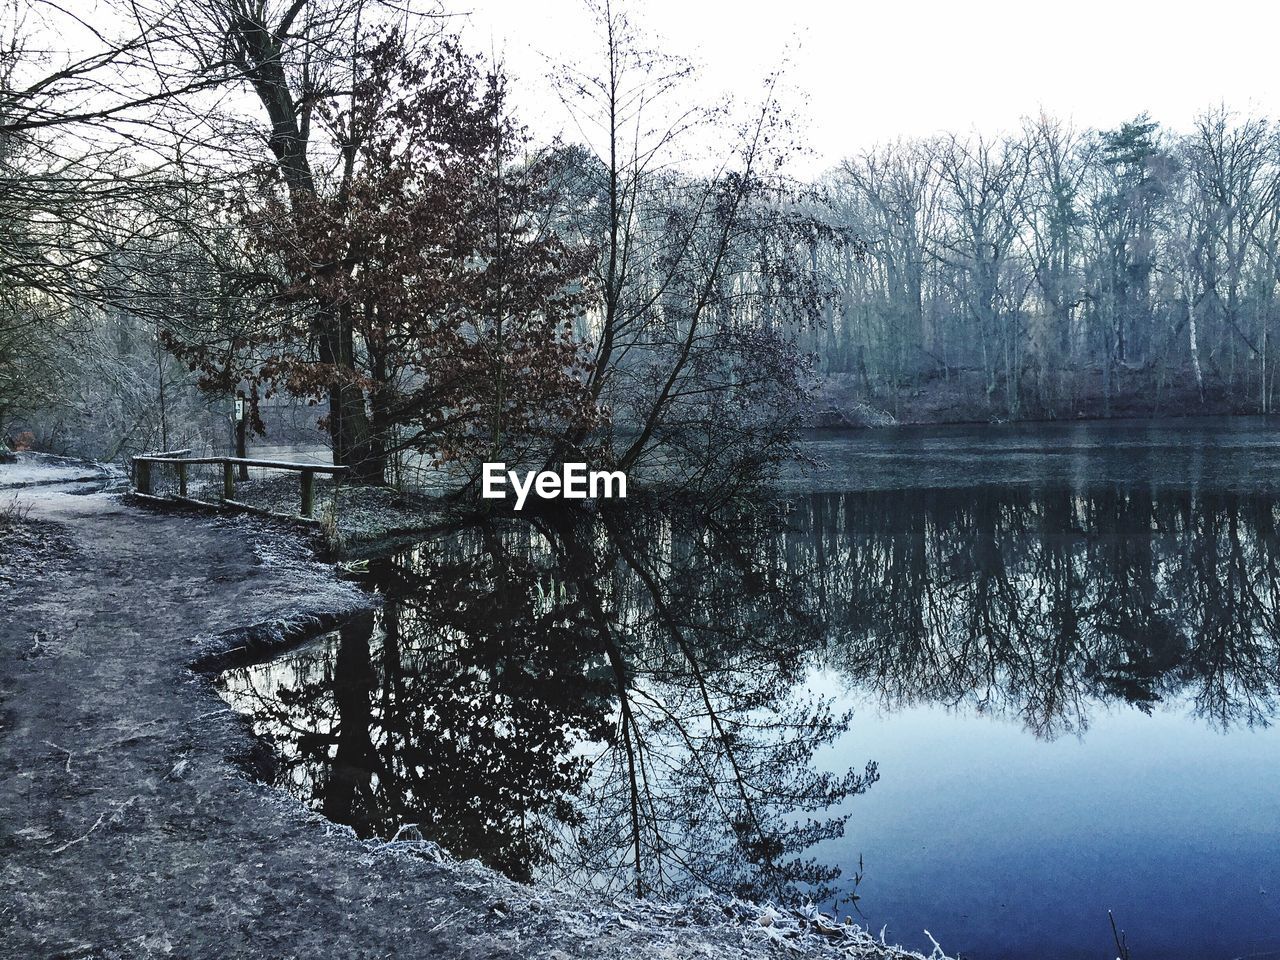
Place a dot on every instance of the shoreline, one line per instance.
(829, 421)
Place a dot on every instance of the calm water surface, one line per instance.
(1010, 677)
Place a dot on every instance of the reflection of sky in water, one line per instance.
(1000, 843)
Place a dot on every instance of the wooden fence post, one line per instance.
(228, 480)
(308, 492)
(142, 475)
(182, 479)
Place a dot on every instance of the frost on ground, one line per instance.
(28, 548)
(563, 924)
(36, 469)
(129, 827)
(651, 928)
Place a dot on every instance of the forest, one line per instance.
(331, 208)
(1058, 272)
(916, 576)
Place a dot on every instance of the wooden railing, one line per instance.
(142, 467)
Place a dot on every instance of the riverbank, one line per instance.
(843, 400)
(131, 825)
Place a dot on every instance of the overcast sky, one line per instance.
(875, 71)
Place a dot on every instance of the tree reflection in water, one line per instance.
(1042, 605)
(609, 697)
(622, 697)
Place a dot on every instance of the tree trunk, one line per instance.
(260, 55)
(1193, 339)
(354, 444)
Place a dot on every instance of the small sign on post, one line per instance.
(242, 427)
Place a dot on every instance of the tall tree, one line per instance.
(433, 253)
(702, 270)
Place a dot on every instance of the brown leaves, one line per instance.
(423, 264)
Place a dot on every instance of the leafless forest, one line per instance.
(331, 206)
(1057, 271)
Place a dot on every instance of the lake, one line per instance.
(992, 681)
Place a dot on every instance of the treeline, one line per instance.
(331, 204)
(1059, 272)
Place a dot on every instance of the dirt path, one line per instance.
(128, 828)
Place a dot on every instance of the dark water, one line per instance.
(1023, 676)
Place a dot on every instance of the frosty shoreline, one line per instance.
(128, 826)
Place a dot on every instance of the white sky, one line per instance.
(875, 71)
